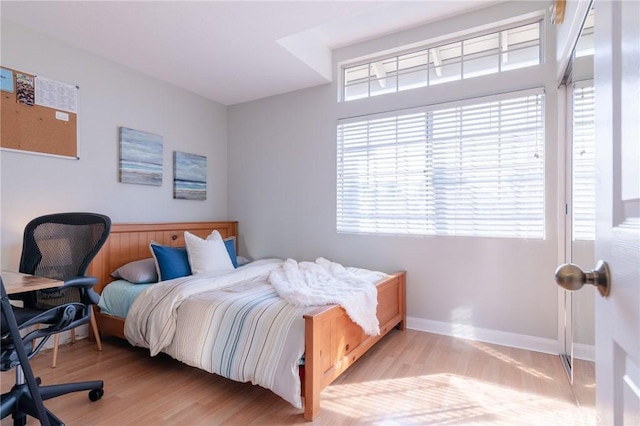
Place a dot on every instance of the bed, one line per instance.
(332, 341)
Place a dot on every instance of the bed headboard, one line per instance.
(130, 241)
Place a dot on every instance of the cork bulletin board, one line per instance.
(38, 115)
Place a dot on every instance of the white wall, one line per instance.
(282, 186)
(110, 96)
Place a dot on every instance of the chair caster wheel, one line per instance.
(38, 381)
(96, 394)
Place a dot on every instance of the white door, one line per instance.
(617, 99)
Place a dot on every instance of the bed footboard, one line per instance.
(333, 342)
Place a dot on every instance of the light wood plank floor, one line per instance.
(409, 378)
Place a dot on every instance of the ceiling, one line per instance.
(227, 51)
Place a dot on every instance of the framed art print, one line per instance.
(140, 157)
(189, 176)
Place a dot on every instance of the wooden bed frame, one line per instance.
(332, 341)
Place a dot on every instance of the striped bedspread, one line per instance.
(234, 325)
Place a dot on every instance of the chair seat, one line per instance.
(22, 315)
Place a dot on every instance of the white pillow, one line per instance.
(243, 260)
(207, 255)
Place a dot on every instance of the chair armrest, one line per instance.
(93, 296)
(86, 282)
(56, 318)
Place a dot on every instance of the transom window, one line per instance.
(509, 49)
(475, 168)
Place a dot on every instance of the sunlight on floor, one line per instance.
(446, 399)
(502, 357)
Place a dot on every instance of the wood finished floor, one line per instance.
(409, 378)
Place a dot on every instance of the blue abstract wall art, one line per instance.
(140, 157)
(189, 176)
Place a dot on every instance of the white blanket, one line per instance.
(324, 283)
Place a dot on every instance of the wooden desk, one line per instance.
(16, 282)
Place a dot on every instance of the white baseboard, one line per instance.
(82, 332)
(584, 352)
(521, 341)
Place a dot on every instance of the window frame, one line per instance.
(439, 42)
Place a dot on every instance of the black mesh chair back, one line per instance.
(61, 246)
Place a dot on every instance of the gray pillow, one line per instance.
(138, 272)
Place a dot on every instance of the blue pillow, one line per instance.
(230, 244)
(171, 262)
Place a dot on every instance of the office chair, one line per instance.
(26, 396)
(61, 246)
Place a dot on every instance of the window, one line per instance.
(509, 49)
(583, 161)
(471, 169)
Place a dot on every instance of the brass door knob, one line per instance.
(572, 278)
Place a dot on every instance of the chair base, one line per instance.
(19, 403)
(95, 388)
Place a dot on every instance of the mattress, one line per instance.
(117, 297)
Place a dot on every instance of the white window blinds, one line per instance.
(584, 179)
(471, 169)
